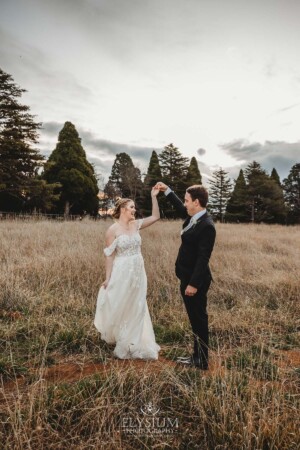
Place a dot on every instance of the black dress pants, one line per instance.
(196, 309)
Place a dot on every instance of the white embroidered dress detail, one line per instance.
(122, 314)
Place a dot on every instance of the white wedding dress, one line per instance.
(122, 314)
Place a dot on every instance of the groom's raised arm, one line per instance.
(174, 200)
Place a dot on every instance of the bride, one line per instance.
(122, 315)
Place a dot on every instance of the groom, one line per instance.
(192, 269)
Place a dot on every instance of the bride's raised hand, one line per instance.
(155, 191)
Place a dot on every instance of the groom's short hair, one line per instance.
(197, 191)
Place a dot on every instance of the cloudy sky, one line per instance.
(219, 79)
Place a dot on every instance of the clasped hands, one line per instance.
(159, 187)
(162, 187)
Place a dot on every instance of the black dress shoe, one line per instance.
(192, 361)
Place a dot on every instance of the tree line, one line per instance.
(67, 182)
(254, 196)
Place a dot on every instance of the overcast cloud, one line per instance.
(100, 152)
(221, 80)
(281, 155)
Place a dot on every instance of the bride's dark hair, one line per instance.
(120, 203)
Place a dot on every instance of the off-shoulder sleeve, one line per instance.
(108, 251)
(140, 223)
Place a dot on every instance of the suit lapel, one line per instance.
(186, 222)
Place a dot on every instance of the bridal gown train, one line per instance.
(122, 315)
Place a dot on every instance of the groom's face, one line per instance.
(192, 206)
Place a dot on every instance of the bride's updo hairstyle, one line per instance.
(120, 203)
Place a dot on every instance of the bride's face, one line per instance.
(129, 211)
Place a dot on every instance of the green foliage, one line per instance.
(19, 161)
(275, 176)
(10, 368)
(71, 340)
(169, 335)
(291, 186)
(236, 206)
(42, 196)
(193, 173)
(68, 166)
(153, 176)
(219, 194)
(174, 169)
(154, 170)
(256, 361)
(265, 197)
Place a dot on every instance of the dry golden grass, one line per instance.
(61, 388)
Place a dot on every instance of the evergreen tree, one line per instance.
(291, 186)
(153, 176)
(219, 193)
(125, 178)
(19, 161)
(193, 174)
(236, 207)
(254, 170)
(174, 168)
(275, 176)
(265, 197)
(68, 166)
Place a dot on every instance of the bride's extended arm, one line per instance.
(155, 216)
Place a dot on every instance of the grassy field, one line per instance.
(61, 388)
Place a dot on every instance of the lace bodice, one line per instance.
(125, 245)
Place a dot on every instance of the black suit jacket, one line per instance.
(196, 246)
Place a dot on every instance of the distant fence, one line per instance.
(37, 216)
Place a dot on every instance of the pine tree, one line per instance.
(219, 194)
(236, 207)
(291, 186)
(68, 166)
(126, 178)
(153, 176)
(265, 197)
(193, 174)
(275, 176)
(174, 168)
(19, 161)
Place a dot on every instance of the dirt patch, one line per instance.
(11, 315)
(288, 359)
(73, 370)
